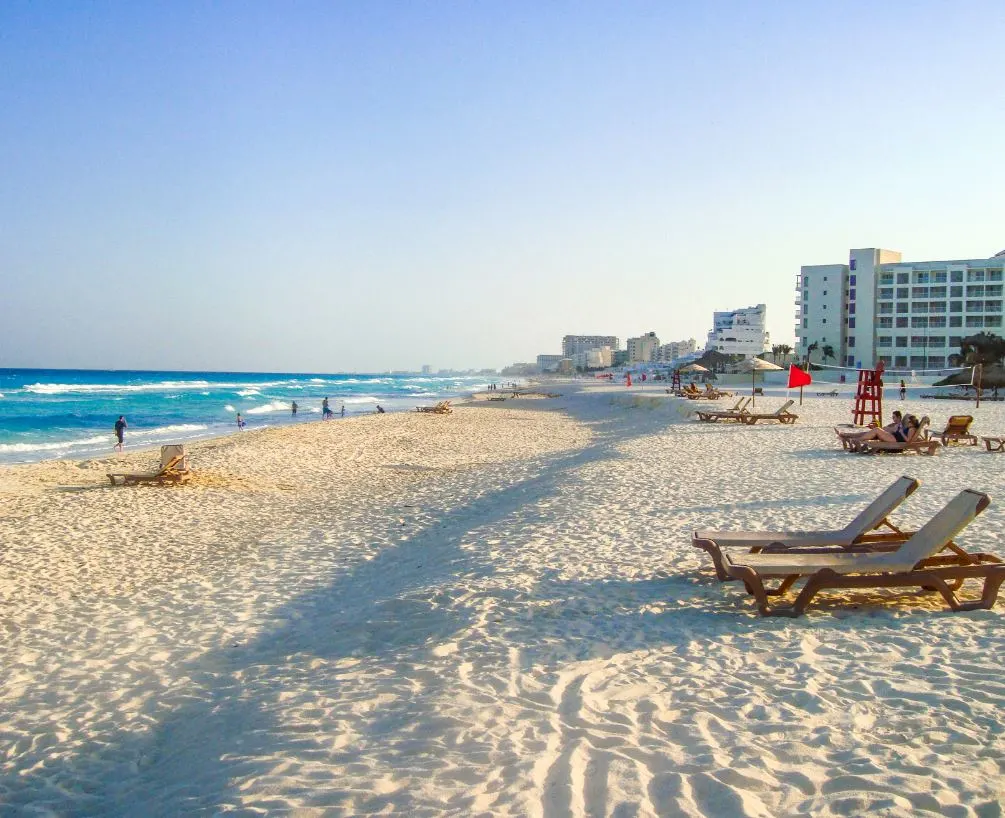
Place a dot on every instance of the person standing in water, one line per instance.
(325, 410)
(343, 410)
(240, 422)
(294, 408)
(120, 431)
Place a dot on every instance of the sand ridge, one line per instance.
(488, 613)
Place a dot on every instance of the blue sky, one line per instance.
(362, 186)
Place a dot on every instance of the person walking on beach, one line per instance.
(903, 390)
(380, 409)
(120, 431)
(240, 422)
(325, 410)
(294, 407)
(343, 410)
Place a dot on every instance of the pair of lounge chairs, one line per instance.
(922, 443)
(860, 555)
(741, 414)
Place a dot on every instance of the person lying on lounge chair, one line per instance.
(904, 433)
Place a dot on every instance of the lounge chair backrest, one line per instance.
(744, 403)
(169, 453)
(958, 424)
(879, 509)
(785, 408)
(933, 536)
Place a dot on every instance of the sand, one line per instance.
(493, 612)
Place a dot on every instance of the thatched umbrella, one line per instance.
(992, 377)
(756, 365)
(695, 368)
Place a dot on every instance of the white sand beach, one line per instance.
(493, 612)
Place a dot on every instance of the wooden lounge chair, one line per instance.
(913, 564)
(957, 429)
(713, 415)
(782, 415)
(921, 443)
(442, 408)
(994, 444)
(173, 471)
(863, 530)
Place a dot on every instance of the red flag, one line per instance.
(798, 377)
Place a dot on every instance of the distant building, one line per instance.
(565, 367)
(427, 369)
(521, 369)
(571, 344)
(619, 357)
(548, 363)
(740, 332)
(909, 314)
(593, 358)
(643, 349)
(677, 349)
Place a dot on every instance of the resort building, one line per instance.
(599, 358)
(643, 349)
(740, 332)
(677, 349)
(548, 363)
(907, 314)
(571, 344)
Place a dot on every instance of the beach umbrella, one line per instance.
(756, 365)
(693, 368)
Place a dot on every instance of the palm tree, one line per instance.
(810, 350)
(828, 352)
(785, 349)
(775, 349)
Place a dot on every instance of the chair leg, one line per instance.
(755, 587)
(713, 550)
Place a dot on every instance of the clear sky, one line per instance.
(370, 185)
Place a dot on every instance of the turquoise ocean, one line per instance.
(63, 413)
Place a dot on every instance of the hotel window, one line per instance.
(975, 306)
(937, 292)
(994, 275)
(992, 320)
(956, 306)
(975, 291)
(975, 275)
(937, 306)
(921, 277)
(939, 277)
(851, 341)
(823, 321)
(886, 278)
(901, 341)
(919, 341)
(993, 290)
(806, 322)
(884, 341)
(886, 292)
(851, 295)
(937, 321)
(902, 322)
(902, 307)
(903, 278)
(885, 309)
(935, 363)
(920, 307)
(850, 361)
(917, 362)
(974, 321)
(851, 280)
(851, 309)
(919, 322)
(902, 292)
(956, 275)
(885, 323)
(886, 359)
(851, 323)
(955, 341)
(900, 360)
(956, 291)
(937, 341)
(956, 320)
(919, 292)
(992, 306)
(825, 292)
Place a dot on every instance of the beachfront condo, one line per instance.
(643, 349)
(907, 314)
(571, 344)
(740, 332)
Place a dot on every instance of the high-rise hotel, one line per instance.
(907, 314)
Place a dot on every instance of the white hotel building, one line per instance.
(908, 314)
(740, 332)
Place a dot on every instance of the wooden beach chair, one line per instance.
(174, 469)
(782, 415)
(864, 529)
(994, 444)
(922, 444)
(442, 408)
(714, 416)
(957, 429)
(913, 564)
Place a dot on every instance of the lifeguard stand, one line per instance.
(675, 381)
(869, 396)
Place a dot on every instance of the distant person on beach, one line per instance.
(240, 422)
(380, 409)
(903, 390)
(325, 410)
(294, 408)
(343, 410)
(120, 431)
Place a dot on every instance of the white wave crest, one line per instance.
(273, 406)
(63, 388)
(164, 430)
(247, 393)
(362, 399)
(229, 408)
(65, 445)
